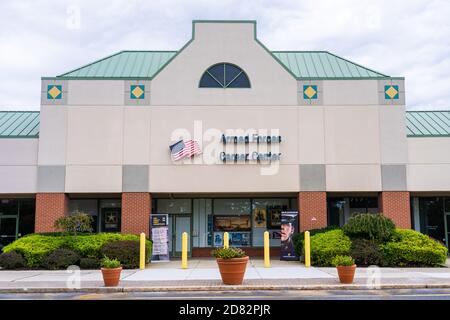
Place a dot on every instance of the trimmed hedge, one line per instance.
(126, 251)
(410, 248)
(89, 263)
(35, 247)
(366, 252)
(299, 238)
(11, 260)
(60, 259)
(370, 226)
(89, 245)
(325, 246)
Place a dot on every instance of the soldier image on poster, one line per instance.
(288, 229)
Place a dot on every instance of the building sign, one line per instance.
(250, 156)
(289, 223)
(159, 220)
(254, 138)
(160, 236)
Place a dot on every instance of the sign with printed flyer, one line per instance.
(160, 237)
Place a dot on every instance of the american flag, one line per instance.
(182, 149)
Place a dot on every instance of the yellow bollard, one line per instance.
(307, 250)
(266, 250)
(184, 249)
(226, 240)
(142, 252)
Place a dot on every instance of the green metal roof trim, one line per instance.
(146, 64)
(124, 64)
(19, 124)
(428, 123)
(323, 65)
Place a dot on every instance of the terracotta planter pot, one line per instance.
(111, 277)
(346, 273)
(232, 270)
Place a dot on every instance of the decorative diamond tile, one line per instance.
(309, 92)
(391, 92)
(54, 92)
(137, 91)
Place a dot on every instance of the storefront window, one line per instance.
(232, 206)
(9, 207)
(16, 219)
(88, 206)
(106, 213)
(232, 216)
(432, 217)
(267, 217)
(26, 216)
(174, 206)
(340, 209)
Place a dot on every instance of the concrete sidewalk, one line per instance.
(203, 274)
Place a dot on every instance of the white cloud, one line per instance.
(408, 38)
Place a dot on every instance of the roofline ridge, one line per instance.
(359, 65)
(295, 51)
(23, 111)
(149, 51)
(440, 110)
(89, 64)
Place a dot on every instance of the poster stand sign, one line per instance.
(160, 237)
(289, 226)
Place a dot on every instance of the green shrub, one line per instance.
(366, 252)
(89, 263)
(12, 260)
(35, 247)
(370, 226)
(60, 259)
(228, 253)
(410, 248)
(325, 246)
(109, 263)
(299, 238)
(343, 261)
(127, 252)
(89, 245)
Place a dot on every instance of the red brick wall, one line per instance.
(49, 207)
(313, 210)
(395, 205)
(136, 208)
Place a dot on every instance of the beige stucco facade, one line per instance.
(342, 143)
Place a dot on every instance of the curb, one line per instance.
(101, 290)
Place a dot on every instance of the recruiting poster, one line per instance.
(259, 218)
(289, 225)
(160, 237)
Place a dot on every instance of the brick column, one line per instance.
(136, 209)
(313, 210)
(395, 205)
(49, 207)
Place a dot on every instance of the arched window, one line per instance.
(224, 75)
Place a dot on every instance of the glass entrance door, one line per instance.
(177, 225)
(8, 229)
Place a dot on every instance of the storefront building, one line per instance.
(273, 131)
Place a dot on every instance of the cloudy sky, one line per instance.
(409, 38)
